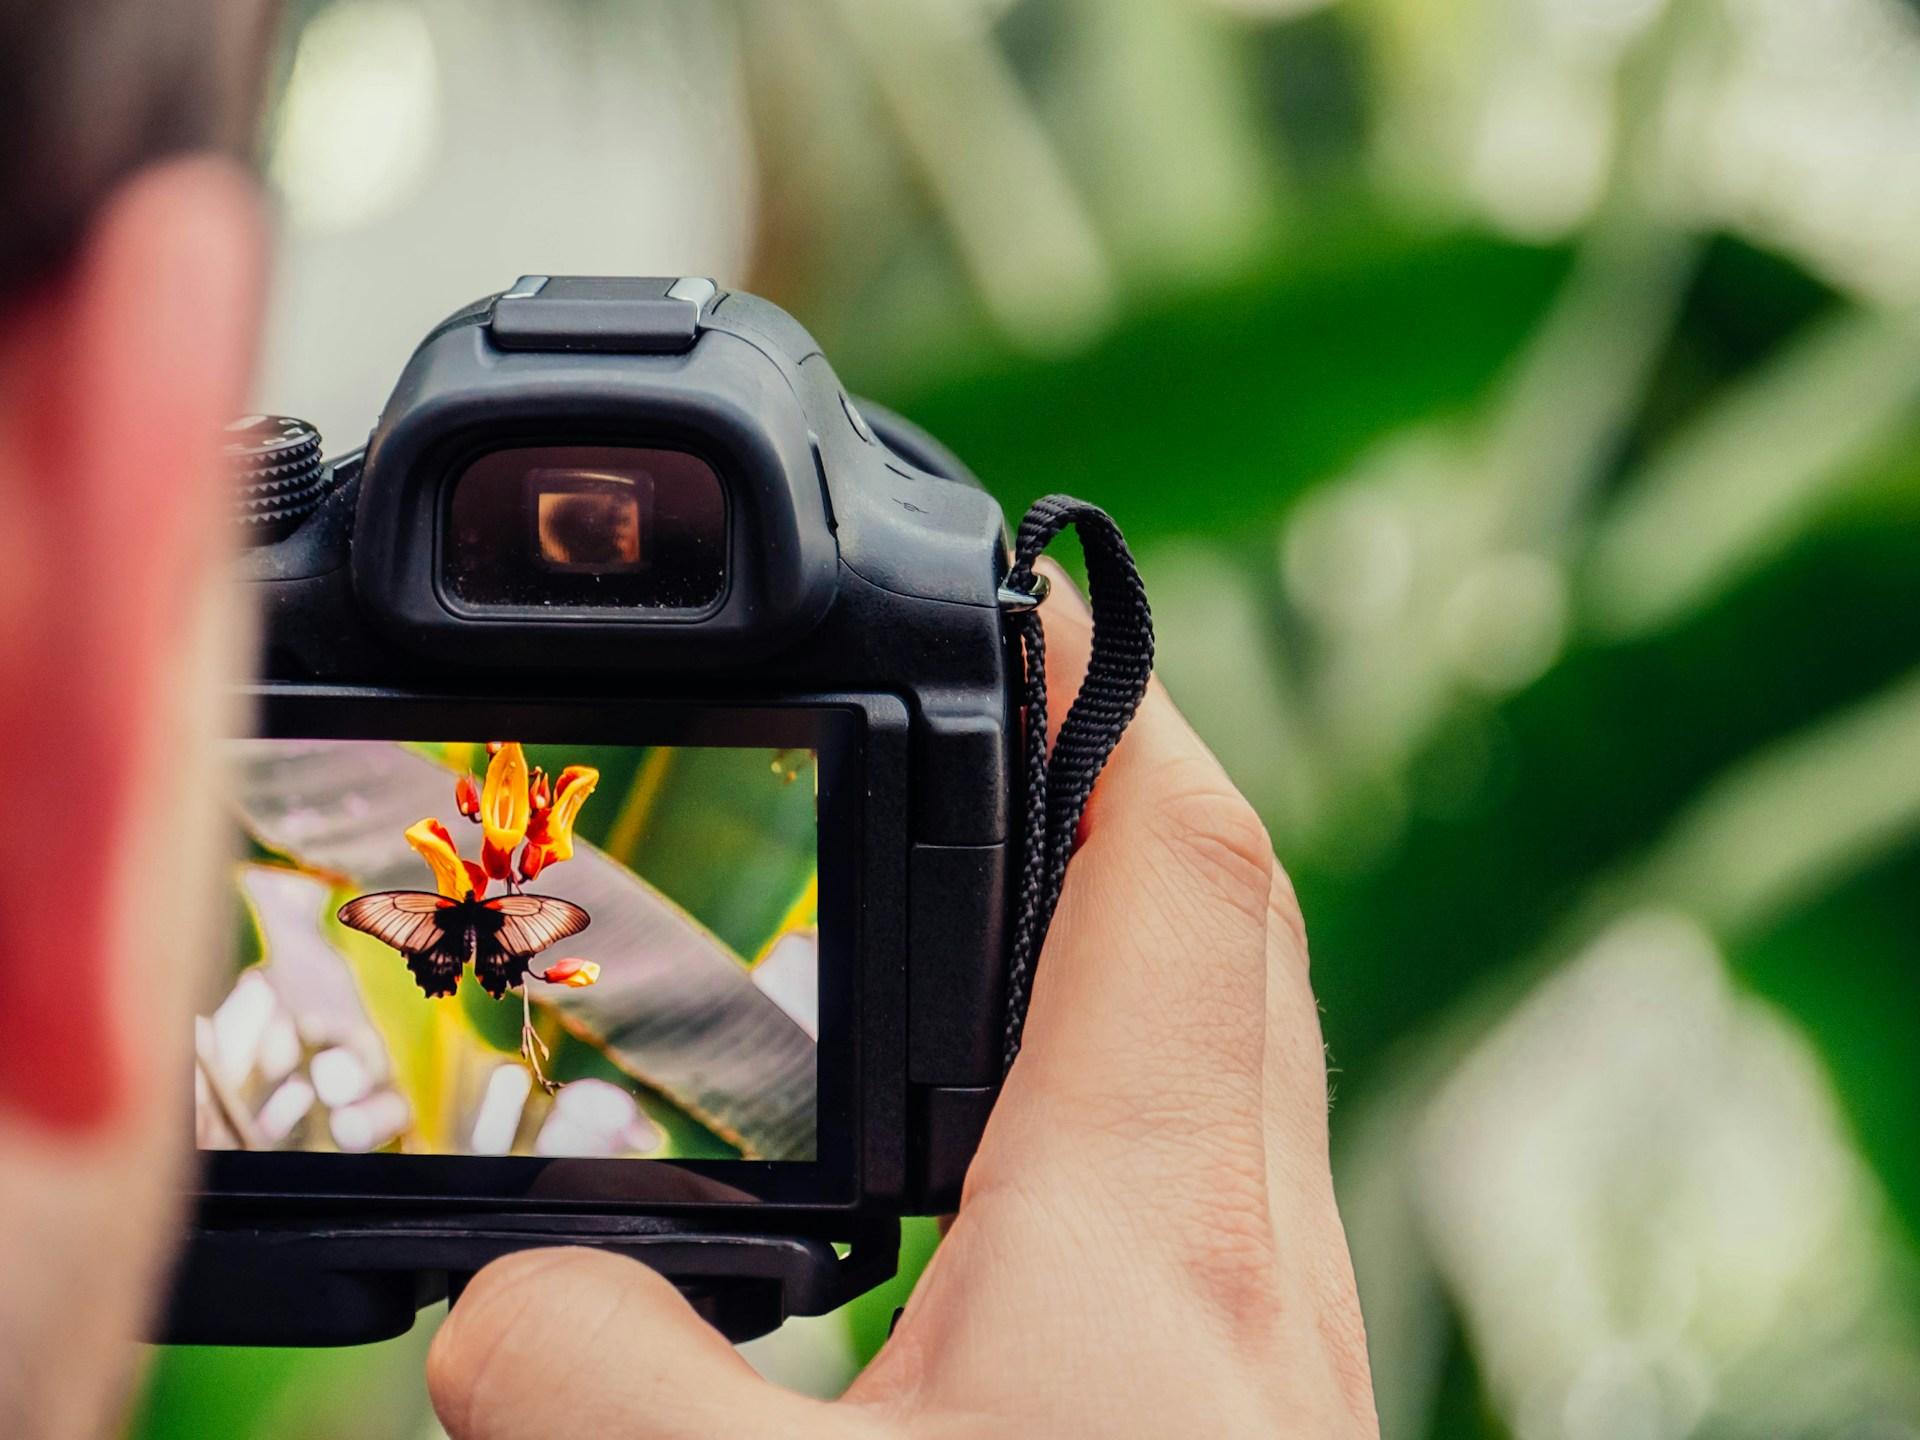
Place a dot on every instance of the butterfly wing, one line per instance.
(513, 929)
(530, 923)
(429, 930)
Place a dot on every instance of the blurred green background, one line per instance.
(1514, 404)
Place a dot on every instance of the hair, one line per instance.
(92, 91)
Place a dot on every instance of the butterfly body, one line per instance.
(440, 936)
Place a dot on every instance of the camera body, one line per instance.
(639, 511)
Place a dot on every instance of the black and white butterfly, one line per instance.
(439, 936)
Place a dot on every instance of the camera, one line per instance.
(627, 826)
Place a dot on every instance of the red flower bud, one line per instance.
(493, 746)
(533, 859)
(466, 795)
(540, 790)
(576, 974)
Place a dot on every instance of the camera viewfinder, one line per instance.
(587, 527)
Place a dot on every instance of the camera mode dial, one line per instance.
(277, 473)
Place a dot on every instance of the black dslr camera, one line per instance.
(629, 827)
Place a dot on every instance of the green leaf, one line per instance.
(725, 832)
(870, 1318)
(1210, 412)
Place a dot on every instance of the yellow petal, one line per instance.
(436, 847)
(570, 792)
(503, 803)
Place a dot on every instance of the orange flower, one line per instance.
(504, 809)
(453, 877)
(575, 974)
(550, 832)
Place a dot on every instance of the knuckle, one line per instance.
(1181, 1177)
(1232, 1273)
(1220, 841)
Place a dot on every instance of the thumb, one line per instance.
(582, 1342)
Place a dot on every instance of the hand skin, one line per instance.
(1147, 1244)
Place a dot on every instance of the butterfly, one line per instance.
(439, 936)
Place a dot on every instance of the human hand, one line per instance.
(1147, 1244)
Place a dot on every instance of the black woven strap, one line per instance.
(1058, 783)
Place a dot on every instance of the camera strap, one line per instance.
(1059, 779)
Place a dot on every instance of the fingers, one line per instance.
(1154, 1027)
(1151, 1197)
(580, 1342)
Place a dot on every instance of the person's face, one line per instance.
(115, 624)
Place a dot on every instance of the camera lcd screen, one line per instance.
(525, 948)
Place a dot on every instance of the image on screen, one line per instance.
(505, 948)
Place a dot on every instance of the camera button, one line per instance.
(611, 315)
(693, 289)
